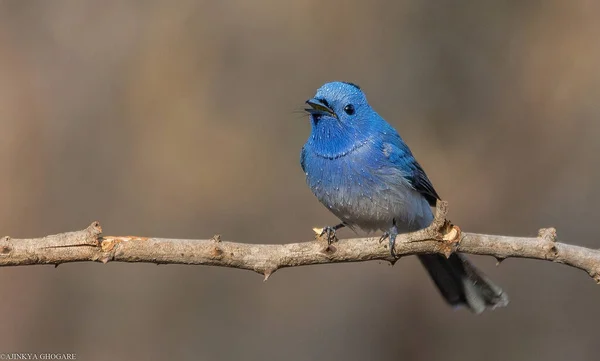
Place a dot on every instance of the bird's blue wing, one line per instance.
(421, 183)
(398, 153)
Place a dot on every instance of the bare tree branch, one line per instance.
(441, 237)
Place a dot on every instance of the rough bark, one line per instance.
(440, 237)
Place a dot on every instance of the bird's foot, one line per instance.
(329, 232)
(391, 235)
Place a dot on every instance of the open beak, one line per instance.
(318, 108)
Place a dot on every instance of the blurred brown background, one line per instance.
(180, 119)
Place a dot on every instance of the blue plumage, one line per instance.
(359, 167)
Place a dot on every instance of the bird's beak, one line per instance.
(318, 108)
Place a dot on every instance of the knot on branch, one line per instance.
(5, 246)
(216, 253)
(548, 235)
(595, 274)
(450, 239)
(329, 250)
(443, 231)
(94, 230)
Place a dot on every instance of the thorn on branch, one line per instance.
(268, 274)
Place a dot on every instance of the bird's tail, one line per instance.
(462, 284)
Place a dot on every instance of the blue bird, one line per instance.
(357, 165)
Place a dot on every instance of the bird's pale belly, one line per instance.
(368, 199)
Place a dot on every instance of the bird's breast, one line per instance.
(365, 191)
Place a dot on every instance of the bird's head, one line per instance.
(341, 119)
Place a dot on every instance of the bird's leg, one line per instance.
(330, 231)
(391, 235)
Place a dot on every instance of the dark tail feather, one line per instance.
(462, 284)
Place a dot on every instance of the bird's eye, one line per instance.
(349, 109)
